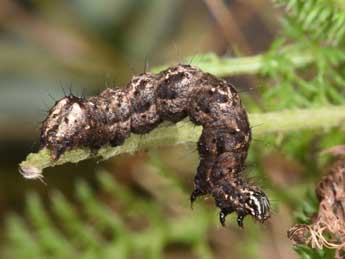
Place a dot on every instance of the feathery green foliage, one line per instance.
(97, 230)
(321, 21)
(316, 27)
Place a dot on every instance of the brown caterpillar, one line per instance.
(147, 100)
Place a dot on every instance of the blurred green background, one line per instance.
(130, 206)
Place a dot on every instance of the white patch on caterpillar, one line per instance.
(76, 113)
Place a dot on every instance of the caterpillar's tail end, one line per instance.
(30, 172)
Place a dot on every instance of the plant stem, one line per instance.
(185, 132)
(222, 67)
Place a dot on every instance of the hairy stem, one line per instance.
(185, 132)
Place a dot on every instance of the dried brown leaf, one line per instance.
(328, 226)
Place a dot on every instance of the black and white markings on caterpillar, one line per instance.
(149, 99)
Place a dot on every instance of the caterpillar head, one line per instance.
(66, 125)
(245, 200)
(257, 205)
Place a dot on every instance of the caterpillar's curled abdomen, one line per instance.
(147, 100)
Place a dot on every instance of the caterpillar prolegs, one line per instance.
(149, 99)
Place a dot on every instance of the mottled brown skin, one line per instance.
(171, 95)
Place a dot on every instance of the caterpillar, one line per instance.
(171, 95)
